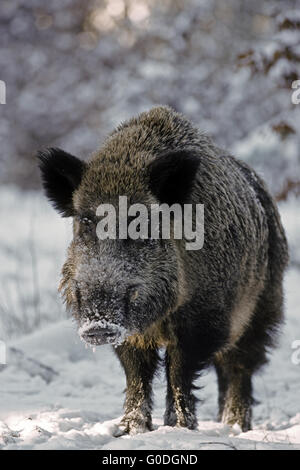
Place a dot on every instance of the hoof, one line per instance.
(132, 427)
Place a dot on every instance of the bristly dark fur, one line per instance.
(221, 305)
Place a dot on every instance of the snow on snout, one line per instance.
(119, 332)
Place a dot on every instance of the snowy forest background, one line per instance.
(74, 69)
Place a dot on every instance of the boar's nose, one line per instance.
(98, 336)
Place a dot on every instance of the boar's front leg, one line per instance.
(139, 365)
(180, 403)
(194, 341)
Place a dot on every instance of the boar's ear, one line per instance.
(171, 176)
(61, 175)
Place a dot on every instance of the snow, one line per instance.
(33, 243)
(58, 394)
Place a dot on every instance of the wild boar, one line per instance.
(221, 305)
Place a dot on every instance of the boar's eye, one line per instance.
(133, 293)
(86, 221)
(84, 226)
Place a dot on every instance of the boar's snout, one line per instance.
(106, 316)
(98, 332)
(98, 336)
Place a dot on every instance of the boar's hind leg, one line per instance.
(140, 366)
(235, 392)
(236, 367)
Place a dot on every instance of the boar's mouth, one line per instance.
(101, 332)
(99, 336)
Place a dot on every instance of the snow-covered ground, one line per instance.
(56, 394)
